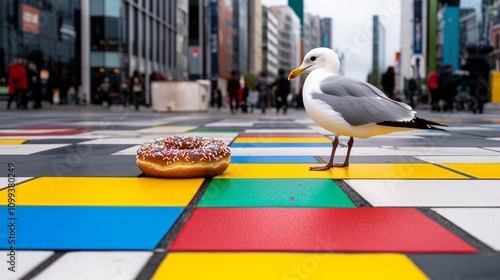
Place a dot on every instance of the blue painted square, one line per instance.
(273, 159)
(88, 227)
(279, 145)
(494, 127)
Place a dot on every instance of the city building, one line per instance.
(494, 56)
(222, 42)
(270, 42)
(412, 58)
(404, 67)
(288, 40)
(431, 31)
(326, 31)
(198, 41)
(255, 36)
(475, 25)
(298, 7)
(241, 28)
(312, 32)
(127, 36)
(448, 34)
(378, 52)
(46, 34)
(81, 42)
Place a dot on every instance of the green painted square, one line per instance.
(275, 193)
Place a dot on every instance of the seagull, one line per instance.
(350, 107)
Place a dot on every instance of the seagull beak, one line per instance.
(295, 73)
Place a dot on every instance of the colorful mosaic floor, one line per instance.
(413, 205)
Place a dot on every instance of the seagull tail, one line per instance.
(416, 123)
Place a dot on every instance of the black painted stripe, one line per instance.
(160, 252)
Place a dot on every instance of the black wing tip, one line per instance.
(416, 123)
(429, 122)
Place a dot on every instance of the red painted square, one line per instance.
(316, 230)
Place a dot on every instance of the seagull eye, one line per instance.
(313, 58)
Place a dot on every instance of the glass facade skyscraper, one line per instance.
(144, 36)
(45, 33)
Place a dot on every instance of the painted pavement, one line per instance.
(412, 205)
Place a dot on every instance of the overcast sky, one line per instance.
(352, 29)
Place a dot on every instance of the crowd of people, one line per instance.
(131, 91)
(26, 82)
(266, 94)
(23, 82)
(450, 90)
(463, 89)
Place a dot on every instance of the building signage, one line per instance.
(214, 37)
(417, 27)
(31, 19)
(67, 31)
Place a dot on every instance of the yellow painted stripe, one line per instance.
(478, 170)
(290, 266)
(13, 141)
(354, 171)
(91, 191)
(282, 140)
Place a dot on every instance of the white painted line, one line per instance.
(466, 128)
(482, 223)
(4, 182)
(460, 159)
(446, 151)
(25, 261)
(110, 123)
(114, 141)
(28, 149)
(229, 124)
(33, 131)
(429, 193)
(96, 266)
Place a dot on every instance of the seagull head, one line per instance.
(319, 58)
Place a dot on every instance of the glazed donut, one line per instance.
(183, 157)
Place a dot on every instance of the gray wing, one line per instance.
(361, 103)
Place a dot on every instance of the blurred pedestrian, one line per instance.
(71, 95)
(18, 84)
(388, 82)
(263, 89)
(137, 89)
(80, 96)
(216, 100)
(433, 85)
(233, 86)
(478, 80)
(283, 88)
(125, 92)
(33, 83)
(447, 87)
(412, 91)
(242, 96)
(105, 89)
(45, 90)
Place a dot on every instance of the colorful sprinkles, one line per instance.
(189, 149)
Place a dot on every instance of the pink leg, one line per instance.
(330, 163)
